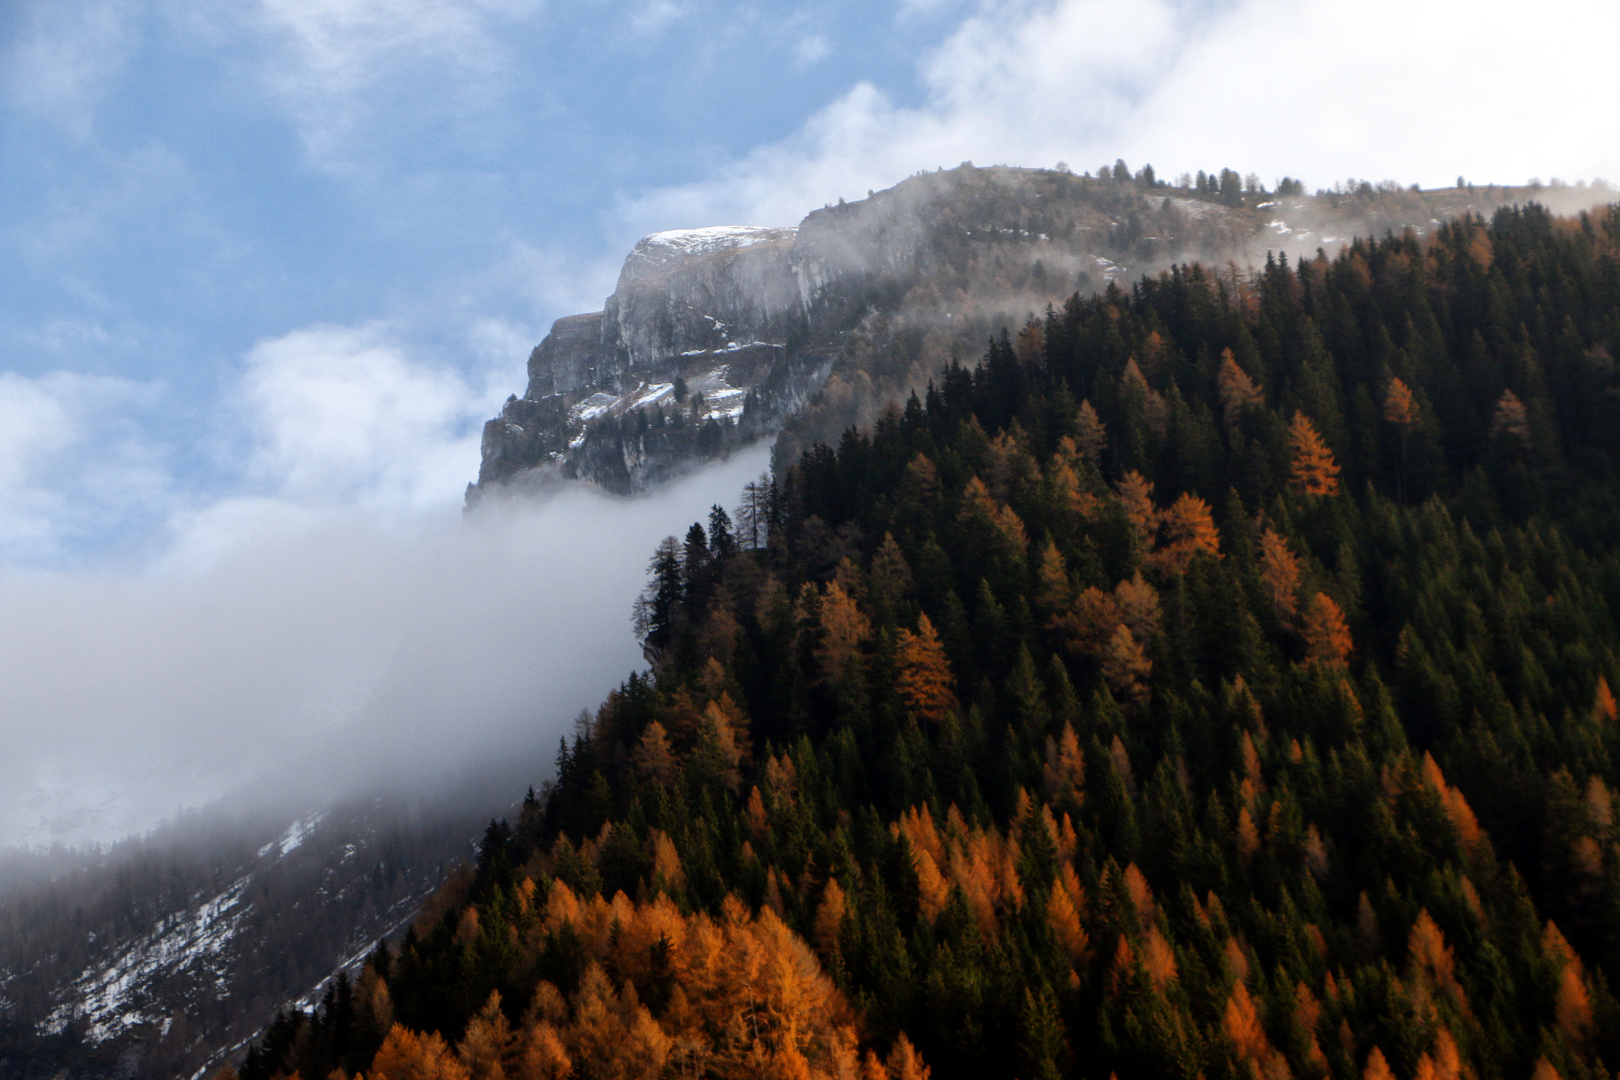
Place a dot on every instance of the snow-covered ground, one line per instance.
(106, 999)
(706, 241)
(295, 835)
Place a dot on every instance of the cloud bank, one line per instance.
(312, 661)
(1419, 91)
(328, 620)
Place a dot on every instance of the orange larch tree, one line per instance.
(926, 684)
(1327, 637)
(1125, 666)
(1510, 420)
(1188, 527)
(1313, 471)
(1136, 498)
(1236, 388)
(843, 628)
(1279, 573)
(1090, 435)
(1400, 407)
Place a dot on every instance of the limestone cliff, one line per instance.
(714, 337)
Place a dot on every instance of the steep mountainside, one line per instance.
(157, 957)
(716, 336)
(1217, 683)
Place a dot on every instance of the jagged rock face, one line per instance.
(879, 294)
(698, 325)
(702, 290)
(571, 356)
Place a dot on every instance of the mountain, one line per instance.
(717, 336)
(1213, 680)
(158, 956)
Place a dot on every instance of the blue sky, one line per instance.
(185, 182)
(295, 250)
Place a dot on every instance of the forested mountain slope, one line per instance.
(1214, 681)
(157, 956)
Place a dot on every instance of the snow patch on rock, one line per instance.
(106, 999)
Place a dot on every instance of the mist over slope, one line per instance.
(352, 654)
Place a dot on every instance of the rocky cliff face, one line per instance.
(714, 337)
(690, 355)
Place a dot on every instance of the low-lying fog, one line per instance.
(325, 660)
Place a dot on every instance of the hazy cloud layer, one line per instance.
(1418, 91)
(315, 659)
(332, 621)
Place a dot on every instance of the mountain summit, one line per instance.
(718, 336)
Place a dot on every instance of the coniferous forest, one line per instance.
(1215, 680)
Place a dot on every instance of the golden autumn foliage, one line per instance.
(830, 918)
(1312, 470)
(1138, 605)
(925, 684)
(1090, 622)
(1377, 1067)
(1237, 390)
(1327, 636)
(487, 1042)
(1141, 895)
(1433, 962)
(1188, 527)
(1125, 666)
(1545, 1071)
(1135, 493)
(1442, 1062)
(981, 862)
(1603, 704)
(1158, 958)
(1242, 1024)
(1090, 434)
(653, 756)
(667, 872)
(1510, 420)
(1054, 593)
(1460, 814)
(749, 999)
(980, 506)
(1573, 1007)
(1064, 911)
(1279, 573)
(1400, 407)
(1248, 835)
(843, 628)
(1063, 776)
(406, 1055)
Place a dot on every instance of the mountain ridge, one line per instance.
(715, 337)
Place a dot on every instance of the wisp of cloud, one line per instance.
(351, 653)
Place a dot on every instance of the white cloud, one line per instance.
(59, 65)
(342, 415)
(314, 661)
(73, 464)
(811, 49)
(1404, 89)
(322, 420)
(656, 16)
(331, 61)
